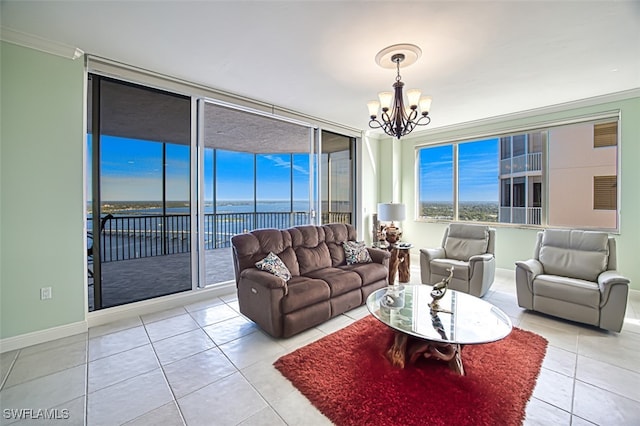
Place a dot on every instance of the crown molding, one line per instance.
(38, 43)
(561, 107)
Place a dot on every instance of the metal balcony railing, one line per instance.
(522, 163)
(524, 215)
(138, 236)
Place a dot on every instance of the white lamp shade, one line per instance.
(385, 99)
(425, 103)
(373, 107)
(413, 96)
(389, 212)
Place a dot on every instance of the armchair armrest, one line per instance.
(379, 255)
(607, 280)
(263, 279)
(433, 253)
(532, 266)
(485, 257)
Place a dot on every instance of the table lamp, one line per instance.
(392, 212)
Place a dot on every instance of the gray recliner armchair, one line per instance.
(470, 249)
(573, 276)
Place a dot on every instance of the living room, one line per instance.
(43, 159)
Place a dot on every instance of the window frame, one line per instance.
(536, 127)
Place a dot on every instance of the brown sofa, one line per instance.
(322, 285)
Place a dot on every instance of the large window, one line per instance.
(436, 182)
(561, 176)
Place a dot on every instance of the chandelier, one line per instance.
(397, 119)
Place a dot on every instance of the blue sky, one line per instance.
(477, 175)
(132, 171)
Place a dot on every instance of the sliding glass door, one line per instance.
(139, 212)
(337, 177)
(257, 174)
(172, 178)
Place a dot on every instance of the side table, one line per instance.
(400, 262)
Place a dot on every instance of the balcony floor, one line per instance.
(133, 280)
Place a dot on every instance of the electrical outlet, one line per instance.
(45, 293)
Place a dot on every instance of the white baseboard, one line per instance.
(42, 336)
(157, 304)
(108, 315)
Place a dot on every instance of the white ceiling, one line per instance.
(480, 58)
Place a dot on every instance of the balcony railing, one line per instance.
(524, 215)
(521, 163)
(133, 237)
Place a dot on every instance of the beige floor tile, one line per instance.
(252, 348)
(112, 369)
(603, 407)
(58, 343)
(167, 415)
(231, 329)
(540, 413)
(560, 361)
(119, 341)
(203, 304)
(226, 402)
(45, 392)
(168, 313)
(181, 346)
(213, 314)
(614, 379)
(555, 389)
(295, 409)
(128, 399)
(169, 327)
(112, 327)
(265, 417)
(197, 371)
(43, 363)
(271, 384)
(620, 349)
(7, 359)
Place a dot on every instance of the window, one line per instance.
(562, 176)
(478, 183)
(436, 182)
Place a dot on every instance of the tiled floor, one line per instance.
(204, 364)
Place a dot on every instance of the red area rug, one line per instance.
(347, 377)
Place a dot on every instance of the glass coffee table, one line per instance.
(435, 330)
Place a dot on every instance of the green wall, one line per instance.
(517, 243)
(41, 196)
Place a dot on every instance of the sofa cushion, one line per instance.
(369, 272)
(464, 241)
(572, 290)
(339, 280)
(573, 253)
(335, 235)
(313, 258)
(252, 247)
(303, 292)
(275, 266)
(356, 252)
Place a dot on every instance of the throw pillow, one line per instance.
(274, 265)
(356, 252)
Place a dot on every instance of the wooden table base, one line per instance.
(404, 347)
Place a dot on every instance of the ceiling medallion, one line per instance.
(396, 119)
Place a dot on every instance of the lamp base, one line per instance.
(392, 234)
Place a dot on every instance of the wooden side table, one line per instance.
(400, 262)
